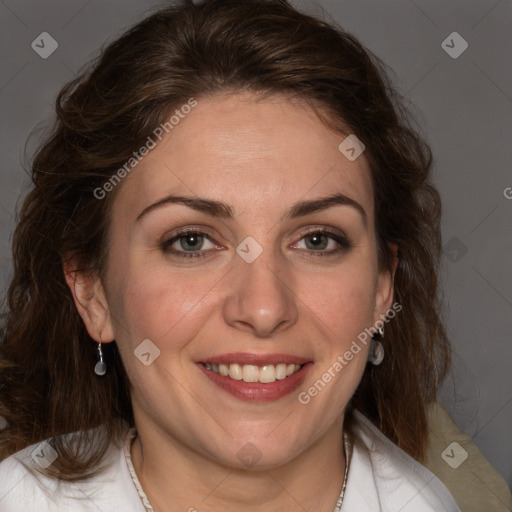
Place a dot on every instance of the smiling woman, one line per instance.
(280, 242)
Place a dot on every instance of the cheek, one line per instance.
(342, 301)
(157, 304)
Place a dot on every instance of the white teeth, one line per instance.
(281, 371)
(252, 373)
(268, 373)
(235, 371)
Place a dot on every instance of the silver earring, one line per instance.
(376, 354)
(101, 367)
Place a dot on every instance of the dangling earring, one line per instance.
(101, 367)
(376, 354)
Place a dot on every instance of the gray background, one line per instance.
(464, 106)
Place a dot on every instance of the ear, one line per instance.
(385, 285)
(90, 299)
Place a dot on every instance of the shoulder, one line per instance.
(475, 484)
(22, 485)
(25, 488)
(383, 477)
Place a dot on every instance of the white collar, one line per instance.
(382, 477)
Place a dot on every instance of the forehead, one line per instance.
(247, 151)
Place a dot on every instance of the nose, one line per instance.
(261, 298)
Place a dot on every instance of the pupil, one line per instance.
(316, 240)
(192, 242)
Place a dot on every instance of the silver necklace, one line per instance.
(147, 505)
(346, 449)
(128, 456)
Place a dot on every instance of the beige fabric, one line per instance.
(459, 464)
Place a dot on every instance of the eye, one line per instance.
(323, 243)
(192, 243)
(189, 244)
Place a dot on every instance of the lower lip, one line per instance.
(257, 391)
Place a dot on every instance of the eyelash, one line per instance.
(341, 240)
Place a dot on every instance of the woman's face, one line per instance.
(266, 275)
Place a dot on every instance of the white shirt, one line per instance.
(381, 478)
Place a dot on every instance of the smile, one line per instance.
(265, 374)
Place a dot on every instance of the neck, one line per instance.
(177, 479)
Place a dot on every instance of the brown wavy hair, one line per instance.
(47, 384)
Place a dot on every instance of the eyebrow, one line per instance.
(222, 210)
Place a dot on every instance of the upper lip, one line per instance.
(255, 359)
